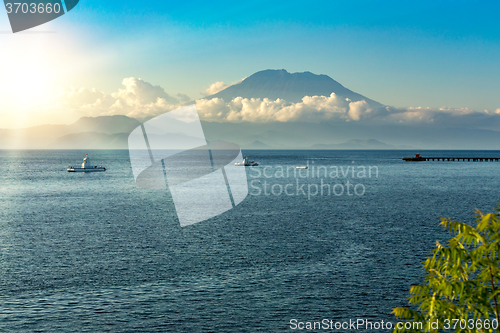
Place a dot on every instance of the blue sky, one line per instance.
(400, 53)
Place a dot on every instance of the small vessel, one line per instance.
(417, 158)
(301, 167)
(86, 167)
(246, 162)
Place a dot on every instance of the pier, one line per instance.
(419, 158)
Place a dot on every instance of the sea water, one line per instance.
(92, 252)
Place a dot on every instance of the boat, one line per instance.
(417, 158)
(246, 162)
(86, 167)
(301, 167)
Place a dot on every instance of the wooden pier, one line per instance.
(419, 158)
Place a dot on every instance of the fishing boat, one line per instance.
(246, 162)
(86, 167)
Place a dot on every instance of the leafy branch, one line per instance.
(461, 279)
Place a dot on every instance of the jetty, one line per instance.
(419, 158)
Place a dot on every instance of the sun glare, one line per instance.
(29, 72)
(30, 85)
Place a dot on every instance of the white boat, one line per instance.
(246, 162)
(86, 167)
(301, 167)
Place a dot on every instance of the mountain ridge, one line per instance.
(53, 136)
(292, 87)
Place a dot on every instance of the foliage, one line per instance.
(462, 282)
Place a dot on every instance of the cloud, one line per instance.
(311, 109)
(183, 98)
(334, 108)
(142, 100)
(215, 88)
(428, 115)
(358, 109)
(138, 99)
(138, 92)
(80, 97)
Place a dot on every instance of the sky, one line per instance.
(407, 54)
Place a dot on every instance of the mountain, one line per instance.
(276, 135)
(256, 145)
(292, 87)
(105, 124)
(88, 132)
(350, 144)
(355, 144)
(338, 135)
(359, 144)
(91, 140)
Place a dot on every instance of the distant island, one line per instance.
(111, 132)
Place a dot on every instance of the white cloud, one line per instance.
(138, 99)
(215, 88)
(420, 114)
(334, 108)
(358, 109)
(138, 92)
(311, 109)
(142, 100)
(81, 98)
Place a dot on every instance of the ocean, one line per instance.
(93, 252)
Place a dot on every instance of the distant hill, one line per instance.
(350, 144)
(359, 144)
(292, 87)
(256, 145)
(276, 135)
(106, 132)
(91, 140)
(105, 124)
(338, 135)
